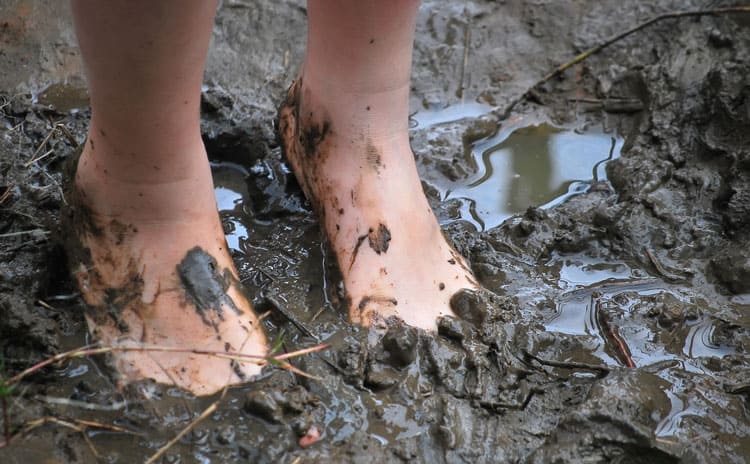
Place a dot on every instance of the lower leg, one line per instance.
(152, 261)
(345, 132)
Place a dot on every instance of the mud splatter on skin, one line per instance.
(373, 156)
(313, 135)
(79, 221)
(234, 364)
(303, 140)
(77, 217)
(355, 252)
(116, 299)
(237, 370)
(119, 231)
(204, 286)
(379, 239)
(366, 300)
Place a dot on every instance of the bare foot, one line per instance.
(358, 170)
(152, 264)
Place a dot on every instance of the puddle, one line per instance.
(64, 97)
(531, 166)
(230, 189)
(603, 302)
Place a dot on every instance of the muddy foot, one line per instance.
(363, 183)
(152, 265)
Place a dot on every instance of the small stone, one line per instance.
(225, 434)
(263, 405)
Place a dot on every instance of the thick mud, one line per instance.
(614, 326)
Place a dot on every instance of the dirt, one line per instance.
(205, 286)
(614, 327)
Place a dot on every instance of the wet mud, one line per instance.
(77, 226)
(206, 286)
(612, 327)
(379, 239)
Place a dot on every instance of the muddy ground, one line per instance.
(657, 371)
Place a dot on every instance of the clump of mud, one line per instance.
(612, 327)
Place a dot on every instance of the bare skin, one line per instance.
(145, 182)
(150, 256)
(345, 131)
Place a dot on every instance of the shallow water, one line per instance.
(63, 97)
(539, 165)
(230, 188)
(601, 301)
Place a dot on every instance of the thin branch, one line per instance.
(82, 404)
(601, 370)
(616, 38)
(25, 232)
(207, 412)
(91, 350)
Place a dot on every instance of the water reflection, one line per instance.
(230, 189)
(531, 166)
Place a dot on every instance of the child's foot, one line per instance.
(356, 166)
(152, 264)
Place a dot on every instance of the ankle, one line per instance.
(147, 197)
(157, 154)
(356, 110)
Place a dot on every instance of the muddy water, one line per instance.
(230, 187)
(538, 165)
(596, 291)
(63, 97)
(603, 307)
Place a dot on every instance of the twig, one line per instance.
(610, 334)
(609, 286)
(31, 425)
(6, 194)
(275, 304)
(465, 62)
(25, 232)
(617, 37)
(207, 412)
(56, 127)
(82, 404)
(670, 276)
(302, 352)
(99, 425)
(602, 370)
(91, 350)
(318, 313)
(612, 105)
(519, 406)
(45, 305)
